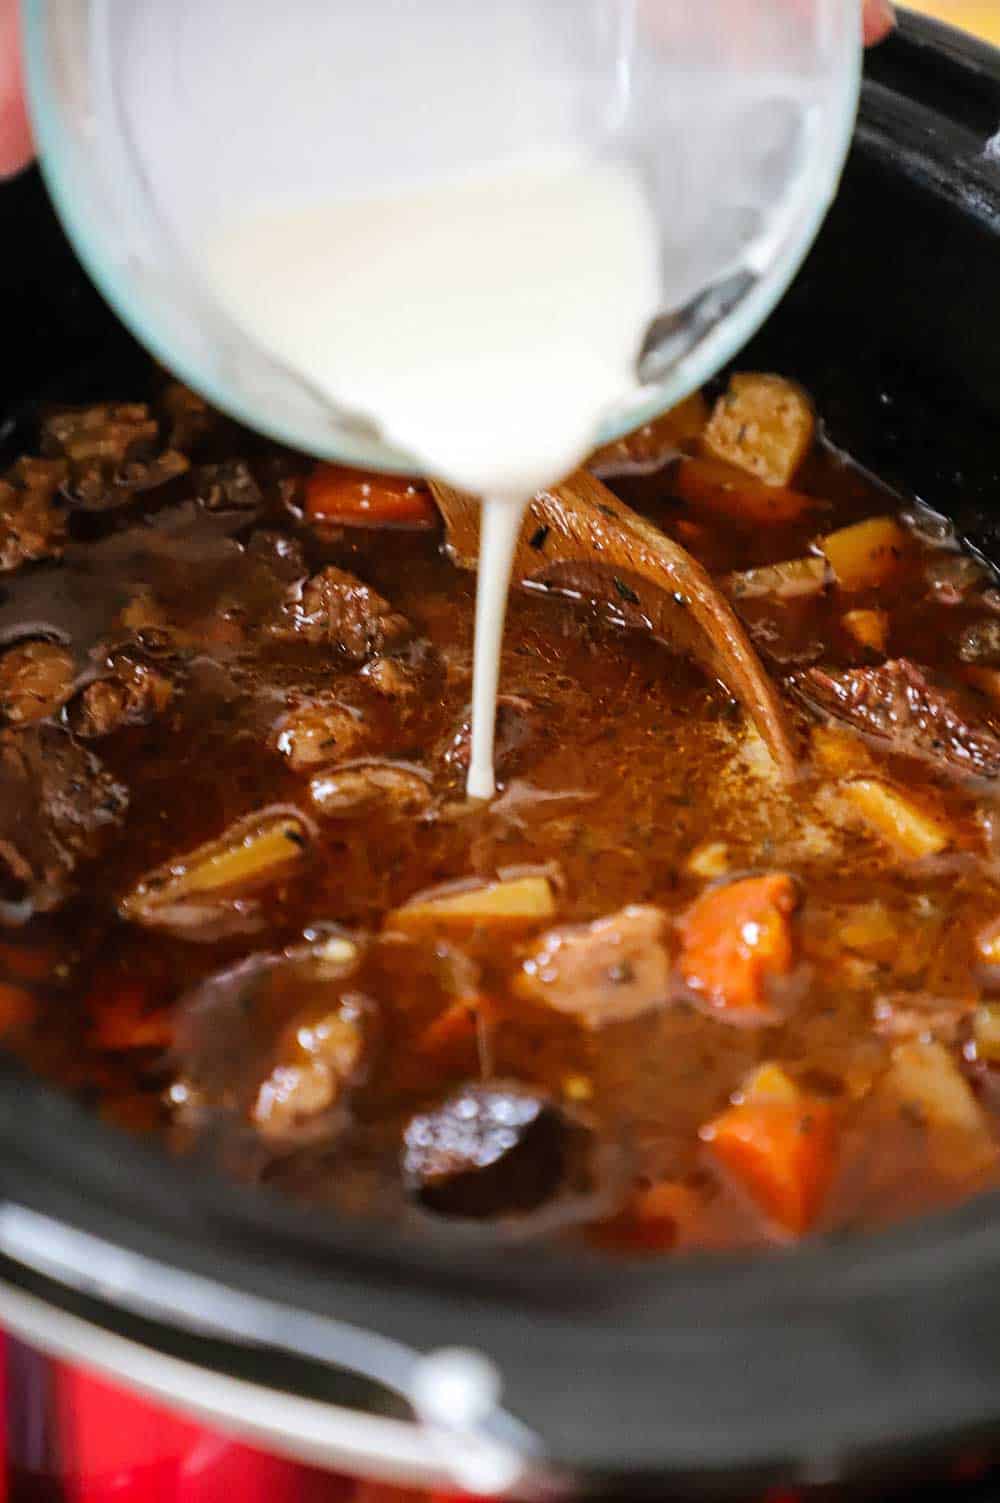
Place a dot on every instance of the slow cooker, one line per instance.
(144, 1301)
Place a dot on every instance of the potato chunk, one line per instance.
(257, 849)
(928, 1085)
(838, 752)
(35, 679)
(784, 581)
(986, 1032)
(865, 555)
(892, 814)
(868, 628)
(764, 425)
(522, 900)
(988, 943)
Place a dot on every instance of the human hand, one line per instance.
(16, 149)
(879, 20)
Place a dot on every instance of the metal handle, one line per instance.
(461, 1437)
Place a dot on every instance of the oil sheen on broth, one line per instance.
(486, 324)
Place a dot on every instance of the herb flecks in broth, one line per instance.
(658, 992)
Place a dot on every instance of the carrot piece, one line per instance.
(456, 1027)
(781, 1152)
(724, 491)
(27, 962)
(17, 1005)
(364, 498)
(662, 1214)
(734, 938)
(891, 813)
(124, 1020)
(986, 680)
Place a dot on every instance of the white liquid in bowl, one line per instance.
(486, 324)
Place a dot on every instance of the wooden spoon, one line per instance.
(580, 536)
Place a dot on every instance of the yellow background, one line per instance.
(982, 16)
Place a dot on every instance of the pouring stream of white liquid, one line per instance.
(486, 324)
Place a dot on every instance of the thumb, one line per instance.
(16, 149)
(880, 18)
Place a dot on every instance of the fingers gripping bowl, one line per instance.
(672, 1083)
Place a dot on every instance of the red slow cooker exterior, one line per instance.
(67, 1434)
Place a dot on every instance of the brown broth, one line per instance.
(634, 761)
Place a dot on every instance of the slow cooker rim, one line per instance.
(57, 1159)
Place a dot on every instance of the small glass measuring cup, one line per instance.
(153, 115)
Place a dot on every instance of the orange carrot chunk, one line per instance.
(125, 1019)
(782, 1154)
(721, 490)
(735, 938)
(27, 962)
(363, 498)
(456, 1028)
(17, 1006)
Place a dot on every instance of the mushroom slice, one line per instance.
(581, 535)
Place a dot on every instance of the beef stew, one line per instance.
(664, 992)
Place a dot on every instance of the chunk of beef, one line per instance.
(57, 805)
(110, 430)
(114, 453)
(189, 417)
(411, 678)
(919, 1015)
(278, 1042)
(519, 729)
(281, 554)
(390, 677)
(32, 521)
(321, 730)
(95, 486)
(35, 679)
(488, 1150)
(132, 693)
(145, 620)
(336, 609)
(605, 972)
(952, 577)
(898, 703)
(979, 643)
(390, 786)
(230, 486)
(318, 1060)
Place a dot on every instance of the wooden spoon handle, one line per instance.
(647, 578)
